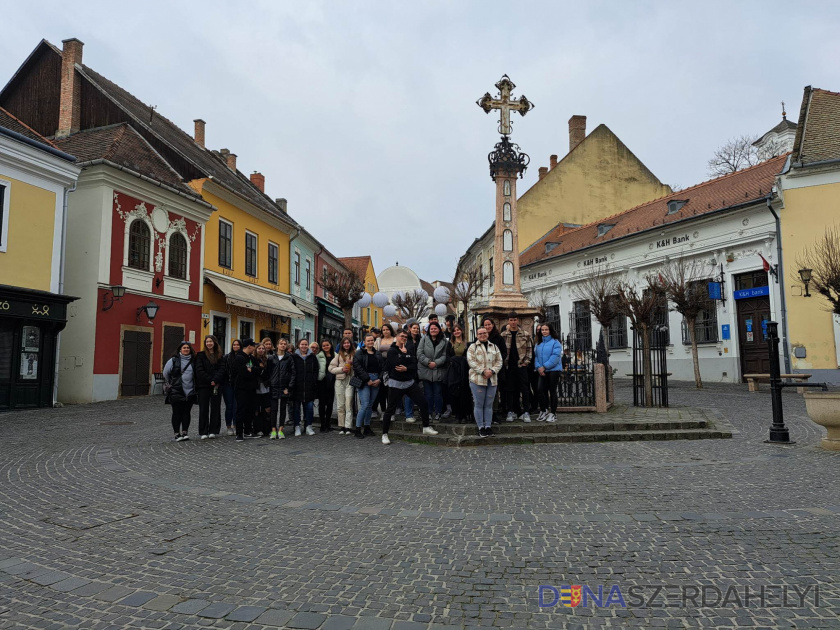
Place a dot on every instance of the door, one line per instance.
(136, 368)
(220, 325)
(753, 315)
(172, 337)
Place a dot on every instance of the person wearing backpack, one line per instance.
(179, 376)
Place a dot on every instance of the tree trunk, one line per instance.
(648, 368)
(348, 318)
(692, 335)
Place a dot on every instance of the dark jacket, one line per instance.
(306, 376)
(360, 361)
(411, 346)
(172, 372)
(230, 367)
(243, 378)
(207, 373)
(496, 338)
(283, 374)
(398, 357)
(327, 384)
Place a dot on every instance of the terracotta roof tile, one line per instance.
(356, 264)
(730, 190)
(818, 130)
(13, 123)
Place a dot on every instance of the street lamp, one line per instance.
(116, 295)
(150, 309)
(805, 275)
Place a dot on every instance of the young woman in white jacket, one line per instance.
(485, 361)
(342, 367)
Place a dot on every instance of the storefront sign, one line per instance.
(539, 274)
(676, 239)
(714, 290)
(744, 294)
(595, 261)
(34, 310)
(724, 332)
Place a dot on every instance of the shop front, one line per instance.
(330, 321)
(30, 322)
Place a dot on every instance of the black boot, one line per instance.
(359, 434)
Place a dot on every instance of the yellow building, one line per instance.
(35, 178)
(370, 317)
(810, 189)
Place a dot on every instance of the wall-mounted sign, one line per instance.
(539, 274)
(676, 239)
(744, 294)
(724, 332)
(595, 261)
(714, 291)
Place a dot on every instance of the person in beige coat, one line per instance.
(485, 361)
(342, 367)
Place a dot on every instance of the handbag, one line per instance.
(356, 382)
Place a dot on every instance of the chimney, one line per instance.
(199, 131)
(258, 180)
(577, 131)
(552, 162)
(282, 203)
(543, 171)
(231, 161)
(70, 103)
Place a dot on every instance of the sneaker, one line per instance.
(259, 433)
(375, 414)
(369, 431)
(310, 431)
(510, 417)
(273, 435)
(359, 434)
(410, 419)
(525, 417)
(448, 411)
(385, 439)
(239, 439)
(185, 437)
(231, 431)
(481, 432)
(429, 431)
(212, 436)
(178, 437)
(341, 431)
(203, 437)
(281, 435)
(297, 432)
(543, 415)
(551, 418)
(488, 432)
(249, 436)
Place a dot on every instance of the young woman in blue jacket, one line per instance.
(548, 361)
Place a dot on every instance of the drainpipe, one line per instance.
(781, 274)
(61, 264)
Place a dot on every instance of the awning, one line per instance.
(256, 299)
(331, 309)
(307, 307)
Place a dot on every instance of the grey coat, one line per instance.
(427, 352)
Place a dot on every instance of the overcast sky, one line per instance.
(363, 114)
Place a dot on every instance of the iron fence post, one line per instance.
(779, 433)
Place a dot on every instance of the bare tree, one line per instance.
(683, 283)
(346, 287)
(411, 304)
(599, 289)
(738, 153)
(640, 306)
(823, 260)
(539, 301)
(467, 284)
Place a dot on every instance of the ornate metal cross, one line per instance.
(505, 104)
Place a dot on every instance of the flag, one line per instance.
(764, 263)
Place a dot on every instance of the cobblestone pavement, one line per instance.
(108, 524)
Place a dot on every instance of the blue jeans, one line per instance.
(483, 396)
(308, 412)
(434, 396)
(230, 404)
(367, 395)
(409, 407)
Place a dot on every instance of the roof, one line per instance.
(122, 145)
(735, 189)
(13, 123)
(427, 287)
(782, 127)
(356, 264)
(818, 130)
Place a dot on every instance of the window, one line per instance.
(506, 212)
(250, 254)
(225, 244)
(492, 273)
(618, 333)
(308, 275)
(604, 228)
(674, 205)
(297, 336)
(4, 216)
(273, 254)
(245, 329)
(297, 268)
(507, 272)
(751, 280)
(220, 331)
(660, 321)
(580, 325)
(705, 326)
(178, 256)
(507, 187)
(376, 319)
(139, 245)
(550, 246)
(507, 241)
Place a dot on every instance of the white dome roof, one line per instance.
(397, 277)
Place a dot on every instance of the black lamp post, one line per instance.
(779, 433)
(116, 295)
(805, 275)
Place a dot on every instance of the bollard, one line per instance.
(779, 433)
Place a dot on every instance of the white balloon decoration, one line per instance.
(364, 300)
(440, 309)
(389, 311)
(380, 299)
(441, 295)
(422, 294)
(397, 295)
(463, 287)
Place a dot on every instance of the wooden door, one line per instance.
(136, 368)
(752, 344)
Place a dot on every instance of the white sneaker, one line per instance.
(203, 437)
(525, 417)
(231, 432)
(297, 432)
(410, 419)
(385, 439)
(429, 431)
(375, 414)
(542, 416)
(448, 411)
(310, 431)
(551, 418)
(510, 417)
(212, 436)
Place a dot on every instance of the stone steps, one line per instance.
(561, 426)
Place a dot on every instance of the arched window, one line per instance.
(506, 212)
(507, 187)
(507, 241)
(177, 256)
(507, 272)
(139, 245)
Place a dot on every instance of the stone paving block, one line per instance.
(454, 516)
(91, 588)
(216, 610)
(138, 599)
(22, 567)
(273, 617)
(440, 626)
(114, 593)
(306, 621)
(372, 623)
(339, 622)
(163, 602)
(500, 517)
(191, 606)
(409, 625)
(70, 584)
(246, 614)
(51, 577)
(10, 562)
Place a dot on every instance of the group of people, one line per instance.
(433, 370)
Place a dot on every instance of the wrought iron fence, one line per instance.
(576, 387)
(658, 367)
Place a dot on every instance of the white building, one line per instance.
(725, 223)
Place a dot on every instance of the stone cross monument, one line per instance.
(507, 163)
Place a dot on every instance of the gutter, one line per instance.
(61, 266)
(780, 273)
(14, 135)
(820, 163)
(145, 178)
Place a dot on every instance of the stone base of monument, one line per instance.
(620, 424)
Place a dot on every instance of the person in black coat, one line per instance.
(228, 389)
(368, 367)
(326, 388)
(282, 380)
(247, 372)
(210, 376)
(306, 387)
